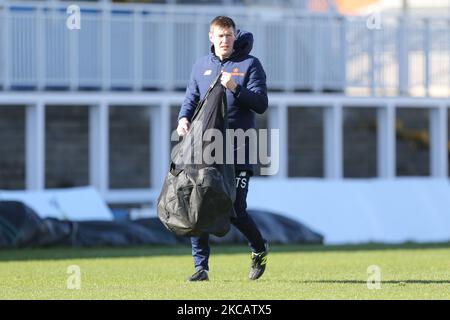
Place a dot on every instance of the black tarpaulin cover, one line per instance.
(21, 227)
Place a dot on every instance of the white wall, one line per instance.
(72, 204)
(357, 211)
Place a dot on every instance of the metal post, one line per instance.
(317, 56)
(278, 119)
(372, 67)
(35, 146)
(138, 39)
(106, 46)
(39, 59)
(386, 142)
(159, 143)
(99, 146)
(333, 161)
(6, 48)
(344, 61)
(438, 142)
(402, 56)
(426, 53)
(74, 63)
(289, 55)
(169, 51)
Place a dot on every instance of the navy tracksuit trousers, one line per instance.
(243, 222)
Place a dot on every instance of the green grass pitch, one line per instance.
(409, 271)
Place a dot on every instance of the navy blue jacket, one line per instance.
(251, 91)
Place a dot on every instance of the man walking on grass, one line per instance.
(246, 93)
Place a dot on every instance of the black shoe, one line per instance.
(200, 275)
(259, 261)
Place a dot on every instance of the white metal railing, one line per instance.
(297, 4)
(138, 46)
(159, 108)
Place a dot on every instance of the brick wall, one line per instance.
(129, 143)
(12, 147)
(412, 146)
(360, 142)
(66, 146)
(305, 142)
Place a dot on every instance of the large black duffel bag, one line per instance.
(197, 197)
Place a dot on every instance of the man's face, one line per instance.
(223, 40)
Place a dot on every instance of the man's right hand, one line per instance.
(183, 126)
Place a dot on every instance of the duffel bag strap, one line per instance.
(174, 169)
